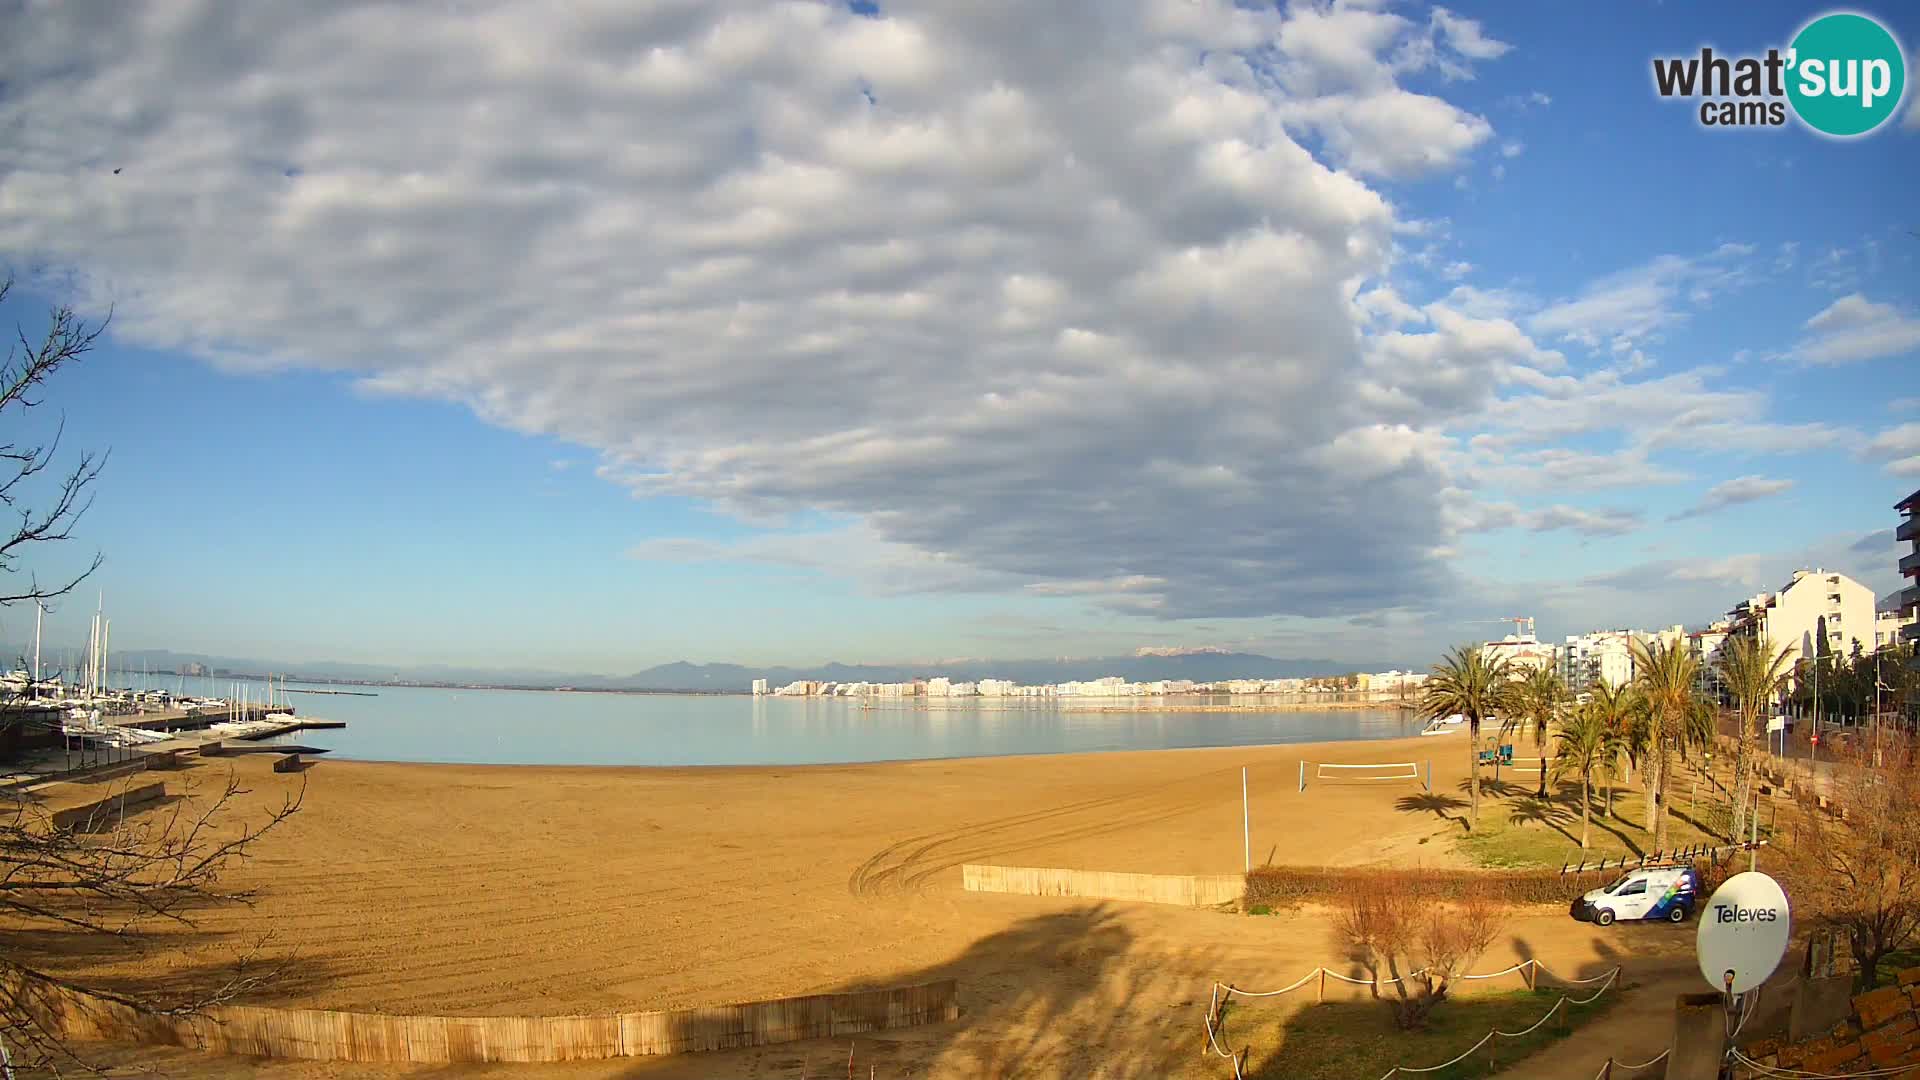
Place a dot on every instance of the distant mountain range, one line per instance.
(1199, 665)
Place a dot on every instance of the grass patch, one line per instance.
(1896, 963)
(1346, 1039)
(1518, 831)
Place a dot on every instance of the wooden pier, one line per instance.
(200, 718)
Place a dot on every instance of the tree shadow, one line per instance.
(1357, 1035)
(1052, 994)
(1539, 812)
(1433, 802)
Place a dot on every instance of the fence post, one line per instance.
(1303, 774)
(1527, 973)
(1320, 997)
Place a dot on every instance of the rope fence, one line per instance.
(1606, 1071)
(1530, 970)
(1489, 1036)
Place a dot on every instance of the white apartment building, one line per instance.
(1704, 647)
(1602, 657)
(759, 687)
(1521, 651)
(1888, 626)
(1791, 617)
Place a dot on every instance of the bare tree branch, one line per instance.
(109, 877)
(28, 365)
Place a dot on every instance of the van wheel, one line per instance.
(1677, 915)
(1604, 917)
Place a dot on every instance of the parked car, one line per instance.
(1668, 893)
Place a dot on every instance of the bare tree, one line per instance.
(1854, 863)
(109, 877)
(28, 365)
(1418, 942)
(112, 877)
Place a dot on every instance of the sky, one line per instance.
(780, 333)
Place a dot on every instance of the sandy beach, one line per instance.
(515, 889)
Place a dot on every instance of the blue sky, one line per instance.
(791, 333)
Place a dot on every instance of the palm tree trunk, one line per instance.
(1742, 776)
(1586, 810)
(1648, 773)
(1473, 775)
(1660, 770)
(1542, 794)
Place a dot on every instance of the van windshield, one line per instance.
(1615, 887)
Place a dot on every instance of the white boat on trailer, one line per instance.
(1445, 725)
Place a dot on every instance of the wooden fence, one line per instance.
(1190, 890)
(318, 1035)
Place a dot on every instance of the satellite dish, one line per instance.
(1743, 932)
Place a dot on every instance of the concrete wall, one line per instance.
(1203, 890)
(320, 1035)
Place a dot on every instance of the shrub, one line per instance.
(1419, 944)
(1285, 886)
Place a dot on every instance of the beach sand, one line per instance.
(459, 889)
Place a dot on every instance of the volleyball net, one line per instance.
(1389, 772)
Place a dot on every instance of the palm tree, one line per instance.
(1539, 697)
(1615, 706)
(1475, 686)
(1665, 676)
(1582, 746)
(1753, 673)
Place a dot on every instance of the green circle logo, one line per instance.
(1846, 74)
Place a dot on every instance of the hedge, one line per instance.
(1281, 886)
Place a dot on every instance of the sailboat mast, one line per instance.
(39, 609)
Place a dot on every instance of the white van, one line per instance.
(1667, 892)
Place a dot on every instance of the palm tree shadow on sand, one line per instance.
(1441, 806)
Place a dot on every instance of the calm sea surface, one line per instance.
(513, 727)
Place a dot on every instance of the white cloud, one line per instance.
(1898, 447)
(1603, 522)
(1855, 328)
(1019, 311)
(1454, 271)
(1640, 302)
(1014, 315)
(1512, 148)
(1394, 133)
(1741, 489)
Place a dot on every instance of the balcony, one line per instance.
(1910, 565)
(1908, 529)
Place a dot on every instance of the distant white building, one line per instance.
(1603, 657)
(1792, 617)
(1888, 626)
(759, 687)
(1704, 647)
(1521, 651)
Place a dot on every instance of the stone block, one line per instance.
(1836, 1056)
(1876, 1007)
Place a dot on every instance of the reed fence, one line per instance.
(1190, 890)
(321, 1035)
